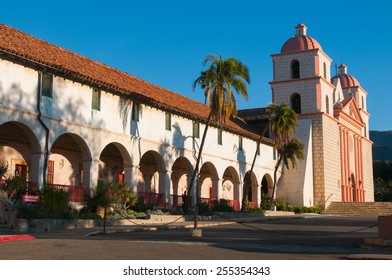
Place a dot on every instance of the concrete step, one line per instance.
(360, 208)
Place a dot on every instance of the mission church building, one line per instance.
(69, 121)
(333, 126)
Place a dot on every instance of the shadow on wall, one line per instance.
(241, 159)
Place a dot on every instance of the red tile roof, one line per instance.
(255, 114)
(80, 67)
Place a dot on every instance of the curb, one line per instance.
(154, 228)
(190, 225)
(5, 238)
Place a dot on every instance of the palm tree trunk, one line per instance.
(248, 179)
(196, 170)
(275, 175)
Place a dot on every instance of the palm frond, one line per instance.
(219, 81)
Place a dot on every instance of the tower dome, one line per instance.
(300, 42)
(346, 80)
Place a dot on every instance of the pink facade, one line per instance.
(333, 125)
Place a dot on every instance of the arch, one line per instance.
(252, 192)
(16, 132)
(112, 162)
(295, 69)
(267, 184)
(180, 175)
(69, 161)
(208, 182)
(20, 150)
(295, 101)
(151, 164)
(230, 187)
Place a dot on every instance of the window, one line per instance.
(50, 171)
(363, 102)
(258, 150)
(240, 147)
(167, 121)
(327, 104)
(296, 103)
(46, 85)
(325, 70)
(274, 153)
(219, 136)
(295, 69)
(96, 100)
(135, 111)
(196, 130)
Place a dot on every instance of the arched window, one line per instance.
(325, 70)
(327, 104)
(296, 103)
(295, 69)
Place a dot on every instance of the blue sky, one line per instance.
(165, 42)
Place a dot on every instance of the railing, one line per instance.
(232, 202)
(252, 204)
(208, 200)
(176, 200)
(150, 198)
(235, 204)
(76, 193)
(27, 187)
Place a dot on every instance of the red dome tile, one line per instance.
(300, 43)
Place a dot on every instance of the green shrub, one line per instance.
(265, 202)
(36, 212)
(122, 195)
(221, 206)
(97, 198)
(255, 210)
(203, 208)
(280, 206)
(55, 201)
(140, 206)
(14, 188)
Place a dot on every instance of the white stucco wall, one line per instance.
(69, 112)
(296, 184)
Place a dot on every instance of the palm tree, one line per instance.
(283, 125)
(219, 82)
(290, 152)
(247, 179)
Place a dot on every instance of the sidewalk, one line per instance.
(85, 233)
(140, 225)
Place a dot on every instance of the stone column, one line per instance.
(90, 173)
(165, 185)
(130, 176)
(217, 188)
(36, 172)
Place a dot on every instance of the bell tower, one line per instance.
(301, 79)
(301, 75)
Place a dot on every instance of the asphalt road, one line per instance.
(322, 237)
